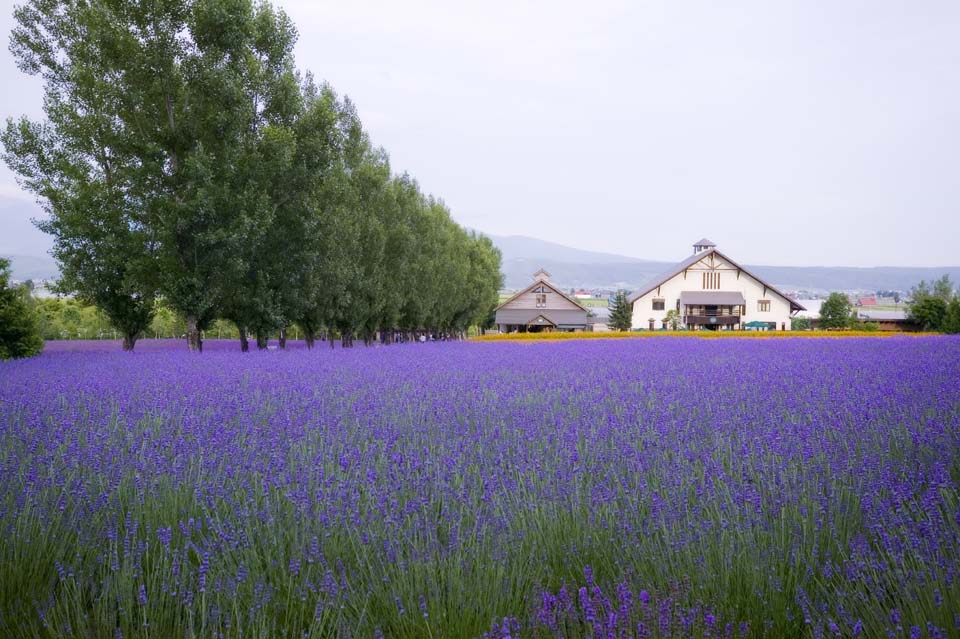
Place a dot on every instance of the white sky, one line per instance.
(789, 133)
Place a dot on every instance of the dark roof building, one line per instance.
(541, 307)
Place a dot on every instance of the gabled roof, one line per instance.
(538, 281)
(693, 259)
(705, 242)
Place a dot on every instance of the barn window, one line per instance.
(541, 292)
(658, 304)
(763, 306)
(711, 280)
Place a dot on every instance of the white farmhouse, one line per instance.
(710, 291)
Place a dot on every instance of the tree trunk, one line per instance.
(194, 339)
(330, 338)
(283, 339)
(129, 341)
(244, 342)
(262, 340)
(309, 337)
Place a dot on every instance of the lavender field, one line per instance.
(621, 488)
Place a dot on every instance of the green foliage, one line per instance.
(19, 330)
(801, 324)
(929, 312)
(951, 321)
(869, 326)
(673, 319)
(836, 312)
(621, 312)
(943, 288)
(929, 305)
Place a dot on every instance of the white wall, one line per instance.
(751, 289)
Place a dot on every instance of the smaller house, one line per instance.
(866, 301)
(542, 306)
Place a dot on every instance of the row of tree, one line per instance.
(934, 307)
(184, 158)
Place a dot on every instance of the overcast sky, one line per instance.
(789, 133)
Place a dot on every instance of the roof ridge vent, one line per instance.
(703, 245)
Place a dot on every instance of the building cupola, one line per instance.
(703, 245)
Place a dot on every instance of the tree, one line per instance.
(672, 318)
(79, 165)
(621, 314)
(836, 312)
(800, 324)
(929, 304)
(951, 321)
(943, 288)
(19, 329)
(929, 312)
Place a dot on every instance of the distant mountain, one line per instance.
(530, 248)
(569, 267)
(30, 267)
(18, 235)
(574, 268)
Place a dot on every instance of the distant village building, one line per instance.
(710, 291)
(889, 320)
(540, 307)
(598, 320)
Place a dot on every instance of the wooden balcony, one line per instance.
(714, 320)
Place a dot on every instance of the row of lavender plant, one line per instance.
(732, 488)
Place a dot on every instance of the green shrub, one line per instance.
(19, 330)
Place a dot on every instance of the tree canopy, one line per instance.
(184, 158)
(836, 312)
(930, 305)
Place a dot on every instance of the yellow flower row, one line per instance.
(530, 337)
